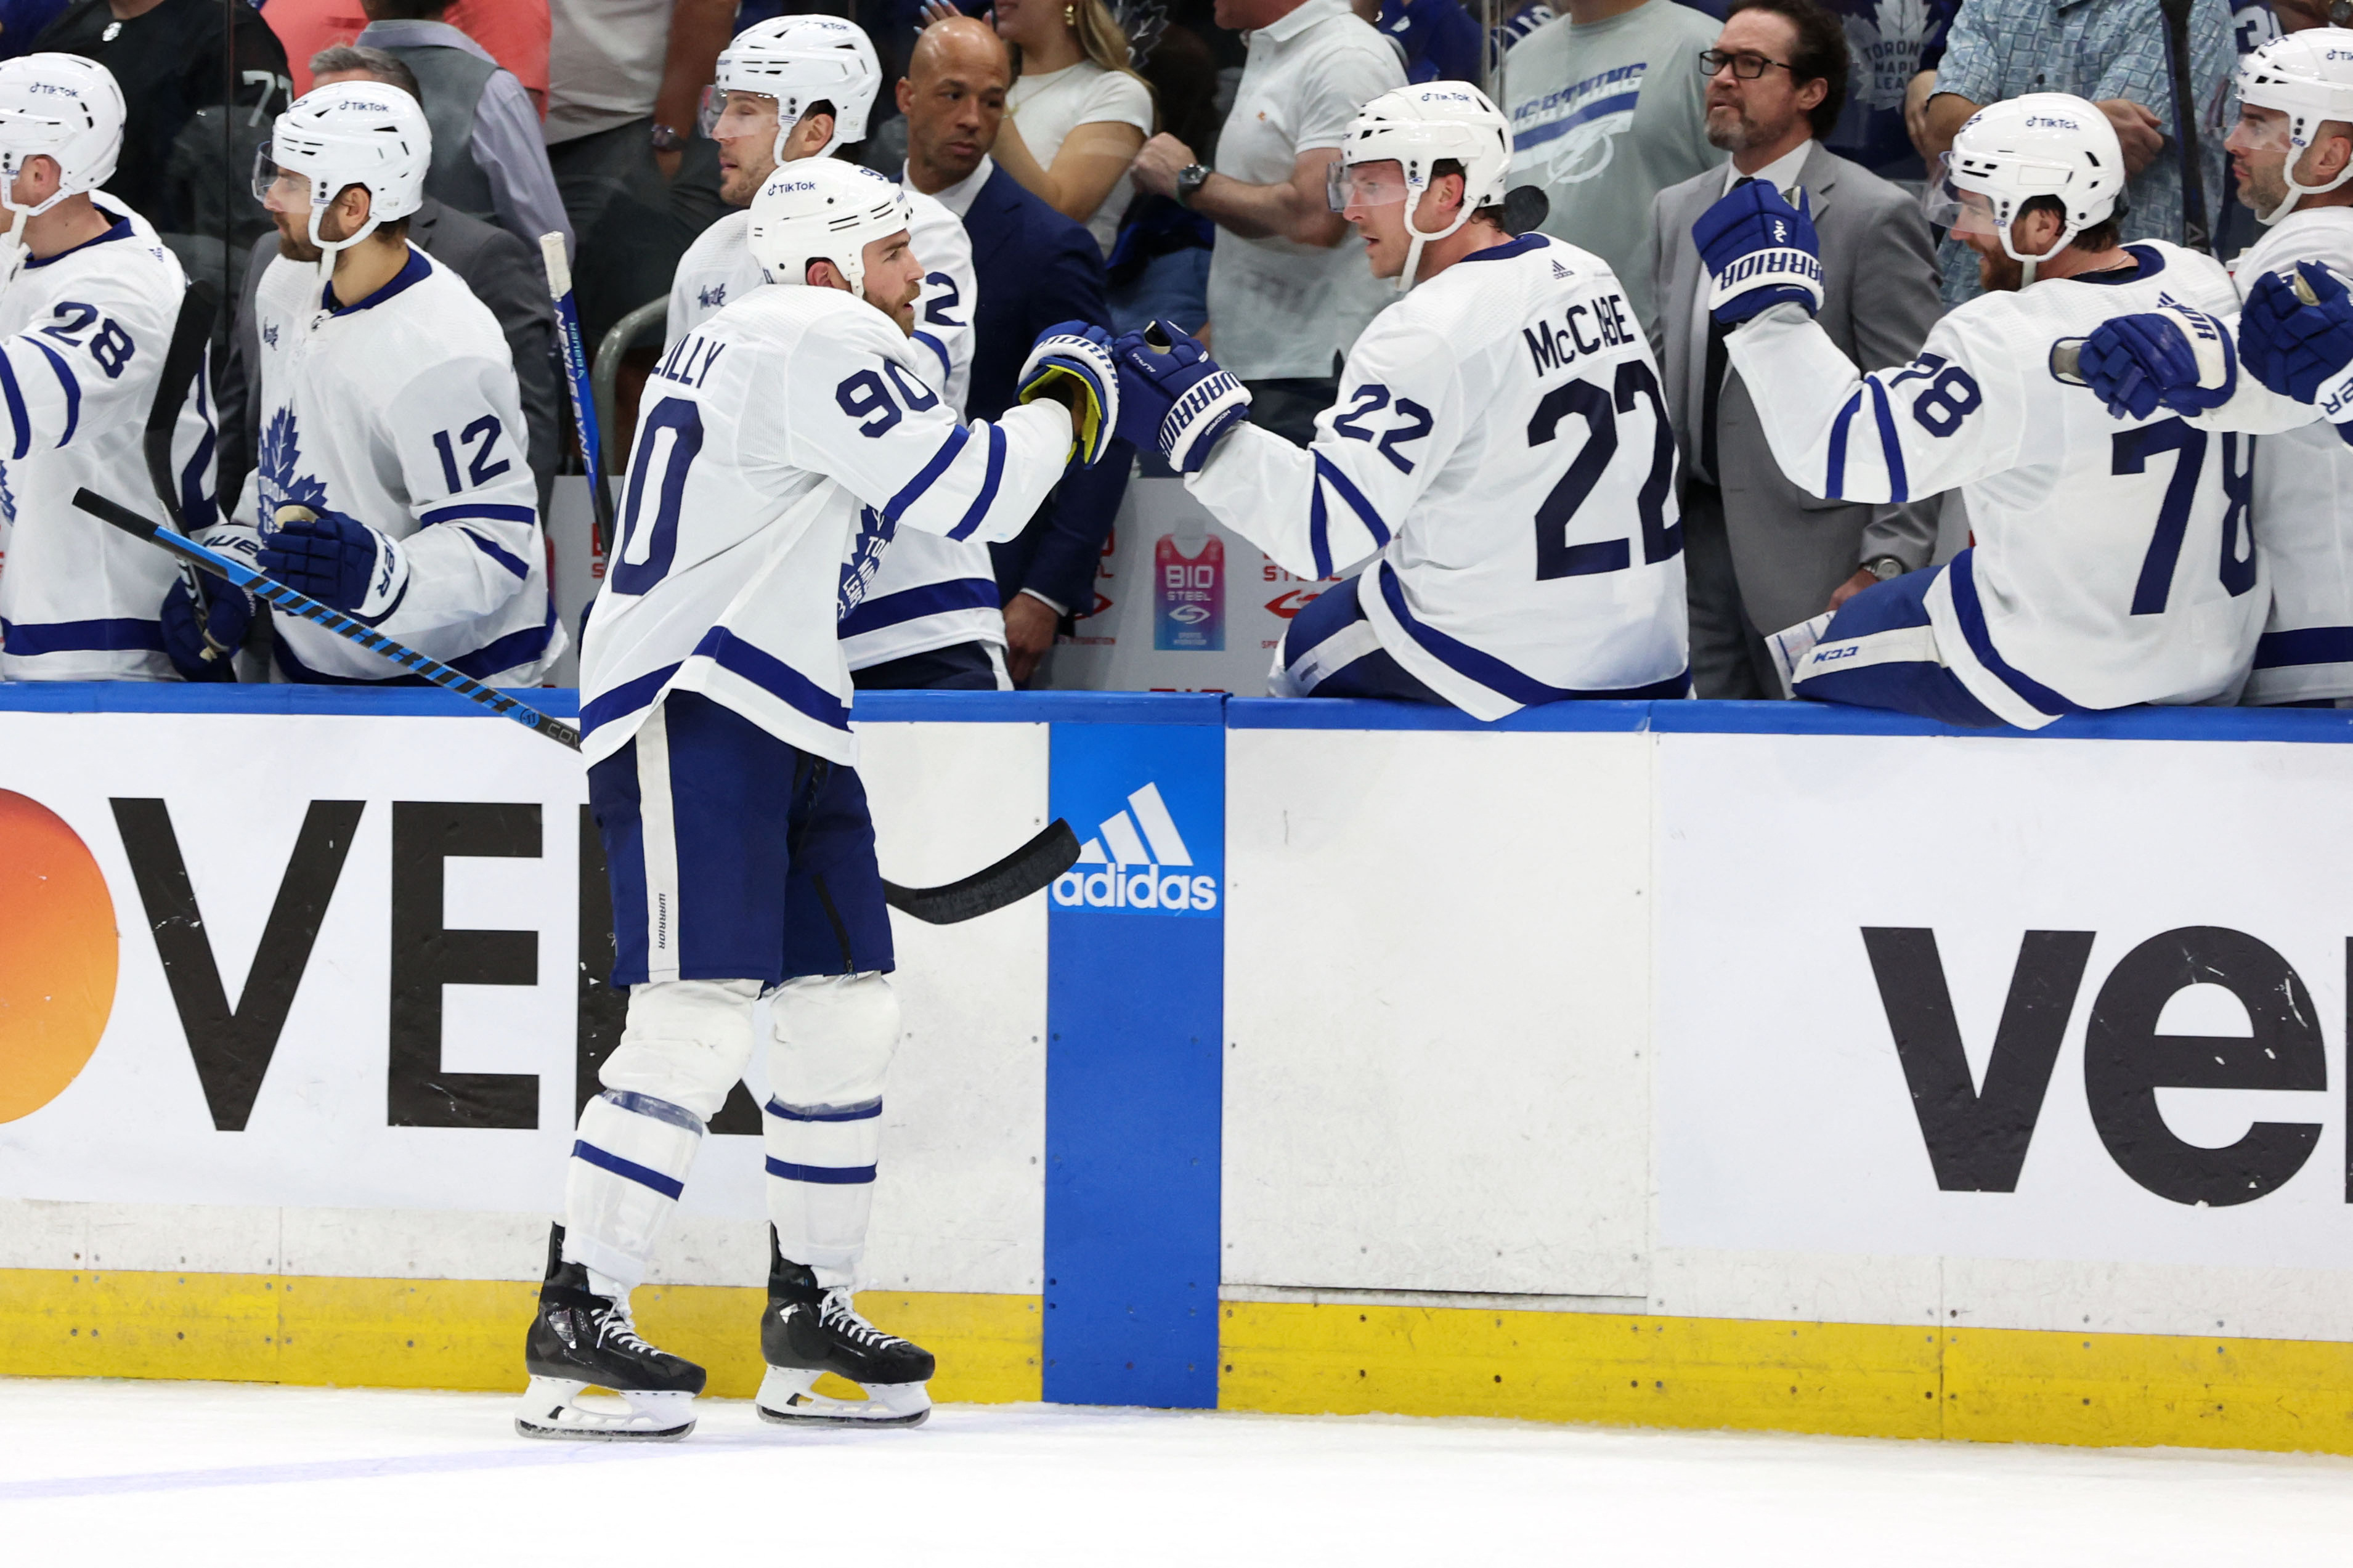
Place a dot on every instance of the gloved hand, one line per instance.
(345, 564)
(1076, 356)
(1174, 397)
(2173, 356)
(1761, 252)
(204, 652)
(2298, 350)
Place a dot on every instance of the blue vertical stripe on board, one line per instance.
(1135, 1014)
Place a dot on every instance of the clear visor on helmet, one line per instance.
(292, 187)
(739, 110)
(2260, 129)
(1948, 206)
(1376, 184)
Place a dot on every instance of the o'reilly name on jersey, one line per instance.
(1138, 860)
(1586, 327)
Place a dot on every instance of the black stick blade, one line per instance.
(1029, 870)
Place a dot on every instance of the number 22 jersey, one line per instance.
(1501, 452)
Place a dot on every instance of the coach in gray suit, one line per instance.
(1761, 554)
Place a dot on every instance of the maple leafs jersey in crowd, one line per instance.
(402, 412)
(780, 445)
(2112, 562)
(1502, 448)
(2303, 491)
(82, 338)
(932, 592)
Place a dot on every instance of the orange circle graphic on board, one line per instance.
(57, 953)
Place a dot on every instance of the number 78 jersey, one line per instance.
(1502, 454)
(2113, 560)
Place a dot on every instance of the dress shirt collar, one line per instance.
(1782, 171)
(404, 34)
(958, 198)
(1285, 29)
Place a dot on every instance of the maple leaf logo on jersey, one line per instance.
(276, 481)
(7, 497)
(865, 560)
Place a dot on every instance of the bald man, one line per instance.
(1034, 268)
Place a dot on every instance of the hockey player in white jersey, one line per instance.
(1499, 462)
(390, 482)
(87, 298)
(803, 87)
(2112, 564)
(783, 442)
(2291, 155)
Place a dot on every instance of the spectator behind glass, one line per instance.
(2113, 52)
(186, 165)
(1034, 268)
(21, 22)
(514, 31)
(1890, 45)
(1761, 554)
(1287, 297)
(626, 84)
(1160, 267)
(1077, 112)
(1437, 40)
(1608, 109)
(488, 161)
(502, 272)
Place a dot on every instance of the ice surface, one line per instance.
(103, 1472)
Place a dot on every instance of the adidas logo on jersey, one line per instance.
(1147, 865)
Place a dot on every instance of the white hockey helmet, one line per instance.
(2308, 76)
(2041, 144)
(348, 133)
(823, 209)
(804, 60)
(1417, 127)
(61, 106)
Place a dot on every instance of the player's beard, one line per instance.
(296, 249)
(739, 185)
(1998, 274)
(2264, 188)
(902, 313)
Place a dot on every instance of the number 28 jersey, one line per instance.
(2113, 561)
(1501, 452)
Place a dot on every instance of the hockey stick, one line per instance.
(1029, 870)
(183, 358)
(575, 369)
(343, 626)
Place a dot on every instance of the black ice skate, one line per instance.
(580, 1340)
(808, 1331)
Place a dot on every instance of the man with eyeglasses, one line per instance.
(1763, 553)
(1608, 109)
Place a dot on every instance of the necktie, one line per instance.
(1718, 361)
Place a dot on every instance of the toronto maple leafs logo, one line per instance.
(865, 558)
(7, 497)
(275, 479)
(1886, 48)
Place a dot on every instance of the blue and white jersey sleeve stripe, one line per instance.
(1893, 435)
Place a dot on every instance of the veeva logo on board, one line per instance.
(1138, 860)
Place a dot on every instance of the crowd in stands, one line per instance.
(1123, 162)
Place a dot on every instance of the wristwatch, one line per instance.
(1885, 567)
(1190, 178)
(665, 140)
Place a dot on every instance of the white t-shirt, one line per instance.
(1049, 106)
(1278, 308)
(604, 63)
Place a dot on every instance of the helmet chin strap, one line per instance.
(330, 248)
(11, 250)
(2297, 190)
(2027, 264)
(1407, 279)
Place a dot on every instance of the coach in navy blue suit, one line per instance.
(1033, 267)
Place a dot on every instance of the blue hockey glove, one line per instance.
(1760, 251)
(343, 564)
(1174, 397)
(204, 652)
(1076, 356)
(2175, 357)
(2297, 349)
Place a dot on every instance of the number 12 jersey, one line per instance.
(1501, 455)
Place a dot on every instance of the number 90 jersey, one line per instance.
(780, 443)
(2113, 563)
(1501, 452)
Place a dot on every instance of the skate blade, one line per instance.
(550, 1408)
(784, 1400)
